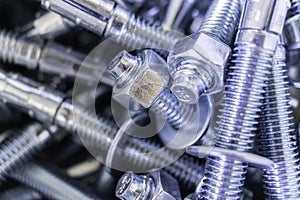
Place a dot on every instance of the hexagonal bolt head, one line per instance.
(157, 185)
(197, 65)
(141, 78)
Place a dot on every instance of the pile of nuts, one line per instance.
(149, 100)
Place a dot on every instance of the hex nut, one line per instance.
(146, 81)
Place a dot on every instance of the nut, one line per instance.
(141, 79)
(197, 64)
(205, 49)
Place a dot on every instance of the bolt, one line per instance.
(156, 185)
(51, 182)
(111, 20)
(145, 84)
(276, 134)
(20, 193)
(198, 61)
(20, 145)
(50, 107)
(248, 72)
(50, 58)
(142, 78)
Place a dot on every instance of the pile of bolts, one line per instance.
(149, 100)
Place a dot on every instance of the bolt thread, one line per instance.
(18, 51)
(99, 133)
(137, 34)
(276, 135)
(18, 148)
(20, 193)
(168, 106)
(50, 183)
(185, 169)
(93, 131)
(295, 7)
(222, 19)
(246, 77)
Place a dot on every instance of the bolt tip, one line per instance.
(185, 94)
(123, 184)
(122, 64)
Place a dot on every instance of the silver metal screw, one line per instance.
(248, 72)
(51, 183)
(276, 134)
(110, 20)
(198, 61)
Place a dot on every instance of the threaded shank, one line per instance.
(18, 148)
(295, 7)
(246, 77)
(49, 183)
(167, 105)
(20, 193)
(94, 132)
(222, 19)
(18, 51)
(98, 134)
(185, 168)
(276, 135)
(137, 34)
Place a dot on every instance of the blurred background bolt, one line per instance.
(109, 19)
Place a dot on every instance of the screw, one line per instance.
(111, 20)
(197, 62)
(20, 193)
(20, 145)
(51, 182)
(247, 75)
(50, 107)
(50, 58)
(276, 134)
